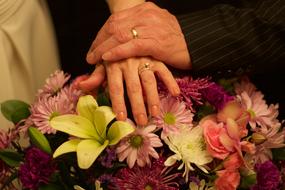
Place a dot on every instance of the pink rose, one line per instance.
(219, 143)
(227, 180)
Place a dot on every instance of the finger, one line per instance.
(149, 85)
(116, 90)
(135, 47)
(134, 91)
(167, 78)
(95, 80)
(122, 35)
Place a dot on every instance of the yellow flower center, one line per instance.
(136, 141)
(251, 113)
(169, 118)
(147, 187)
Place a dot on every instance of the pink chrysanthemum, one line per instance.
(45, 109)
(5, 175)
(6, 137)
(273, 138)
(54, 83)
(155, 177)
(245, 85)
(139, 146)
(260, 113)
(173, 114)
(189, 90)
(72, 94)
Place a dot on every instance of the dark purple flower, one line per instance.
(156, 177)
(216, 95)
(107, 180)
(268, 176)
(108, 158)
(189, 88)
(36, 169)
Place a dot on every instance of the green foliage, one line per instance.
(10, 157)
(204, 111)
(247, 181)
(39, 140)
(102, 99)
(15, 110)
(278, 153)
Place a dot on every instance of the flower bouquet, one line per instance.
(214, 135)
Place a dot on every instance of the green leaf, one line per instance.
(74, 125)
(10, 157)
(103, 100)
(88, 151)
(247, 181)
(278, 153)
(204, 111)
(69, 146)
(15, 110)
(50, 187)
(39, 140)
(118, 130)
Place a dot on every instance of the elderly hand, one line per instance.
(139, 77)
(143, 30)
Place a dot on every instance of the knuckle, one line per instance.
(149, 5)
(112, 27)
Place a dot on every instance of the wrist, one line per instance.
(119, 5)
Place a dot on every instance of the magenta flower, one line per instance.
(268, 176)
(190, 90)
(139, 146)
(54, 84)
(216, 96)
(173, 114)
(108, 158)
(155, 177)
(36, 169)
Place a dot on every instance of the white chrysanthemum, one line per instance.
(190, 148)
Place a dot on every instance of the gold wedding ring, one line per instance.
(134, 33)
(144, 67)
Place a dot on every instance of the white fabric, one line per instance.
(28, 51)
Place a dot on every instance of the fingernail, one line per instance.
(120, 116)
(176, 91)
(107, 56)
(141, 119)
(154, 110)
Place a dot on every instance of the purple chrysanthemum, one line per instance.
(189, 88)
(216, 95)
(108, 158)
(155, 177)
(107, 180)
(268, 176)
(53, 84)
(36, 169)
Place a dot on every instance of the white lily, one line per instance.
(90, 126)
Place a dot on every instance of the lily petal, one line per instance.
(86, 106)
(74, 125)
(233, 129)
(68, 146)
(119, 130)
(102, 117)
(88, 151)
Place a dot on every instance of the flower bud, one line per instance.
(258, 138)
